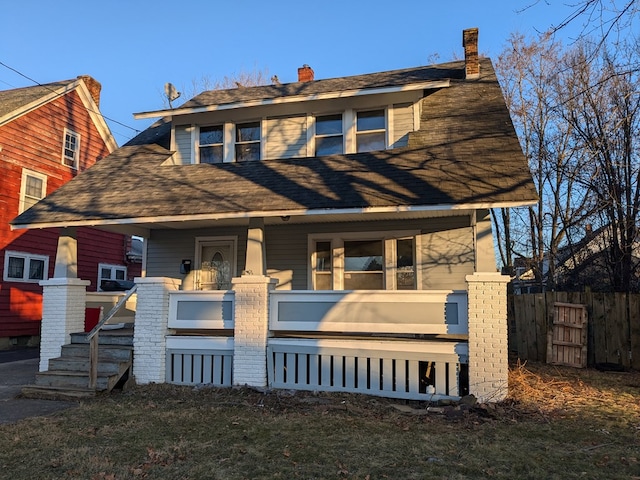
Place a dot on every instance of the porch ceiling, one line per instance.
(142, 228)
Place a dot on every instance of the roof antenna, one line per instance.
(171, 93)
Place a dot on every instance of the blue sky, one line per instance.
(134, 47)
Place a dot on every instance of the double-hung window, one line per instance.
(70, 149)
(364, 262)
(329, 138)
(247, 142)
(33, 188)
(25, 267)
(211, 144)
(371, 131)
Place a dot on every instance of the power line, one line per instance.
(52, 90)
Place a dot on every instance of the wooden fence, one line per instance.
(613, 337)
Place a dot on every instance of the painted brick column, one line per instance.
(488, 349)
(251, 329)
(63, 304)
(150, 328)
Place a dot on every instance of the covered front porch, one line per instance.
(270, 326)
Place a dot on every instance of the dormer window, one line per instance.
(247, 142)
(211, 144)
(370, 131)
(329, 138)
(70, 149)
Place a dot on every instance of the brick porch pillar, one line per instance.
(488, 349)
(251, 331)
(150, 328)
(63, 304)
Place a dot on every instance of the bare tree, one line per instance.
(530, 77)
(603, 109)
(243, 78)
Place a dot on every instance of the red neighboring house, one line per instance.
(48, 135)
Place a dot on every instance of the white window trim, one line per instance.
(203, 241)
(349, 132)
(385, 110)
(196, 140)
(23, 187)
(113, 268)
(28, 257)
(76, 160)
(312, 135)
(262, 141)
(337, 245)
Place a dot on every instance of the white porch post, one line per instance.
(255, 263)
(67, 254)
(488, 349)
(63, 304)
(149, 337)
(63, 300)
(251, 314)
(251, 331)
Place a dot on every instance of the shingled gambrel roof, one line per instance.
(466, 155)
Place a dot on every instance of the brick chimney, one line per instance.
(470, 45)
(305, 73)
(93, 86)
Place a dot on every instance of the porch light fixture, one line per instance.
(285, 218)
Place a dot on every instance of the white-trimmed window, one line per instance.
(211, 144)
(328, 136)
(364, 261)
(111, 272)
(25, 267)
(70, 148)
(247, 141)
(371, 132)
(33, 188)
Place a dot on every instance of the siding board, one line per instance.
(286, 137)
(447, 249)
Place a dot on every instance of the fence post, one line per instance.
(488, 348)
(251, 321)
(150, 330)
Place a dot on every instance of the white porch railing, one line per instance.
(399, 369)
(390, 367)
(383, 363)
(193, 358)
(386, 311)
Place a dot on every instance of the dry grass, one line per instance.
(557, 423)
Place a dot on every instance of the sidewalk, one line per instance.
(18, 367)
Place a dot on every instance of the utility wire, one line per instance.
(52, 90)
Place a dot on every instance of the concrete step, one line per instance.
(55, 393)
(77, 364)
(105, 352)
(72, 380)
(107, 337)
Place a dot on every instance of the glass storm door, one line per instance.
(216, 265)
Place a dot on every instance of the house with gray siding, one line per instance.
(325, 234)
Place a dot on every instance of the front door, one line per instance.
(216, 264)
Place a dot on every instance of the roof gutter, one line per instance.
(293, 99)
(273, 213)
